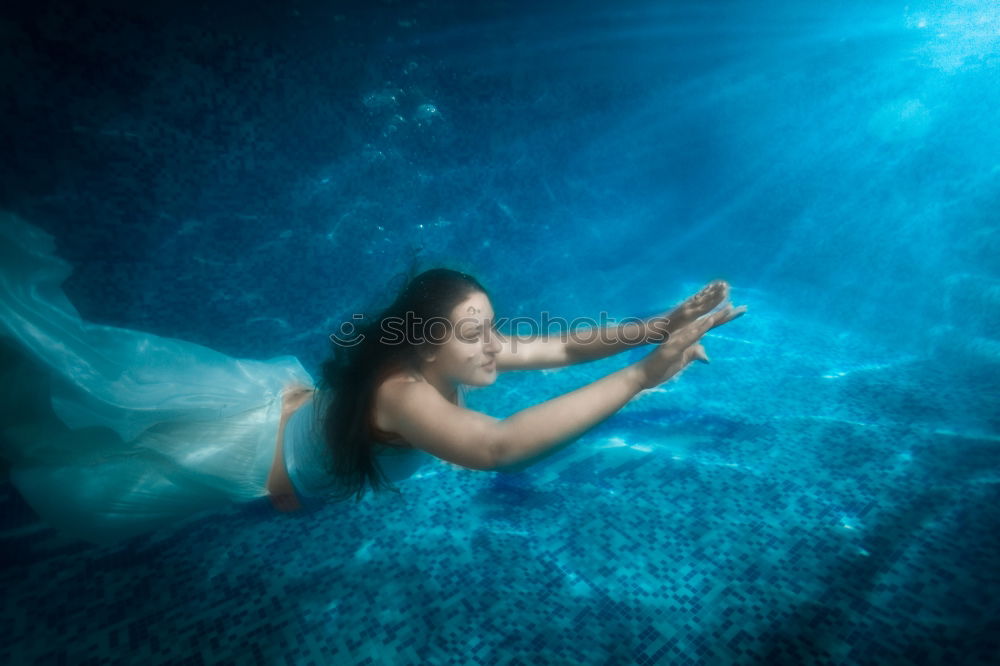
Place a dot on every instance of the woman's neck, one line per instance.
(443, 386)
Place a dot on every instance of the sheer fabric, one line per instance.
(126, 430)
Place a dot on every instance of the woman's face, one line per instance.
(468, 353)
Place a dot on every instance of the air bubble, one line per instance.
(426, 112)
(380, 99)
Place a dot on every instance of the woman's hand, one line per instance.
(658, 329)
(293, 397)
(279, 486)
(683, 347)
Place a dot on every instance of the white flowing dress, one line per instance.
(137, 430)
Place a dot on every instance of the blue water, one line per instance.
(248, 175)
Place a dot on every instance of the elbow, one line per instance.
(496, 447)
(504, 447)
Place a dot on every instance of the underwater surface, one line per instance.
(248, 175)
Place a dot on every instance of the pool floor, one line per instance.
(793, 513)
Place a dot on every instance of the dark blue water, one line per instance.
(247, 175)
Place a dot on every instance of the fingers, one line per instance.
(698, 353)
(693, 353)
(725, 315)
(699, 303)
(708, 322)
(689, 334)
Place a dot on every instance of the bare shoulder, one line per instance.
(430, 422)
(388, 395)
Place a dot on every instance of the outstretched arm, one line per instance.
(581, 346)
(425, 419)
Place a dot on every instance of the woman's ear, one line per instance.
(426, 353)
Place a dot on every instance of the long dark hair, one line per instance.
(353, 372)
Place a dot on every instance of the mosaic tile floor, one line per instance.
(802, 514)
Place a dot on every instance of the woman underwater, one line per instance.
(111, 432)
